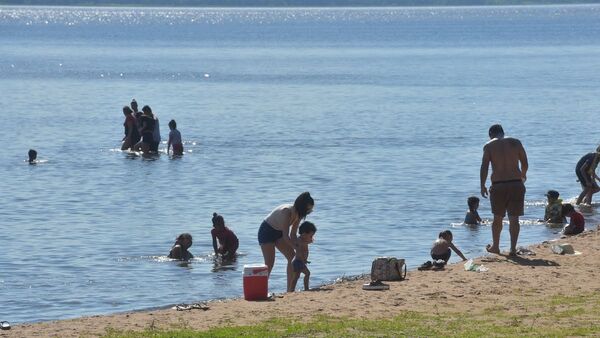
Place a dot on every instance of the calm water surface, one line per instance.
(380, 113)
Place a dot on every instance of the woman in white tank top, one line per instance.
(275, 232)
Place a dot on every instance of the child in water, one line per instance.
(441, 248)
(307, 231)
(227, 241)
(472, 216)
(553, 212)
(174, 139)
(180, 248)
(576, 221)
(32, 156)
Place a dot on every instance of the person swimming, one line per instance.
(32, 156)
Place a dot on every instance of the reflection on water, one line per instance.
(381, 114)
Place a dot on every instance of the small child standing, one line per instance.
(553, 213)
(180, 249)
(441, 247)
(576, 222)
(472, 216)
(174, 139)
(228, 241)
(307, 231)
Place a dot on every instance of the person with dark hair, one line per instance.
(472, 216)
(576, 221)
(174, 139)
(180, 249)
(441, 251)
(307, 231)
(507, 192)
(147, 131)
(138, 117)
(553, 213)
(227, 241)
(585, 169)
(155, 134)
(131, 132)
(32, 154)
(279, 230)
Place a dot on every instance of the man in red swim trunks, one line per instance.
(507, 192)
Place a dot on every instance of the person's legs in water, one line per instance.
(496, 231)
(581, 197)
(514, 228)
(289, 253)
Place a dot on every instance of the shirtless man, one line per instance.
(507, 192)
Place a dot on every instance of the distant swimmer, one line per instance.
(225, 242)
(32, 156)
(180, 248)
(174, 139)
(507, 192)
(585, 170)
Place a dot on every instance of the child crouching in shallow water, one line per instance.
(180, 248)
(228, 241)
(307, 231)
(472, 216)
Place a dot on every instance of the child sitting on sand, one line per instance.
(32, 156)
(472, 216)
(307, 231)
(553, 213)
(174, 139)
(228, 241)
(440, 251)
(180, 248)
(576, 221)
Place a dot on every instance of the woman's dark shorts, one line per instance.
(266, 234)
(445, 257)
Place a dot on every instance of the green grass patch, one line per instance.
(559, 316)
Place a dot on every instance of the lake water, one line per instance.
(380, 113)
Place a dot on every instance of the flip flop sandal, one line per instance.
(425, 266)
(4, 325)
(375, 285)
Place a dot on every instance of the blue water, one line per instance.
(380, 113)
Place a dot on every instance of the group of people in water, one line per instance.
(142, 131)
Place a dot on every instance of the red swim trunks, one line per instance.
(178, 149)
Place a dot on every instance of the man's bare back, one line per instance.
(504, 155)
(507, 193)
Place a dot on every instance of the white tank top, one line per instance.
(281, 217)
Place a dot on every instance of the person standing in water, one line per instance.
(147, 131)
(131, 131)
(586, 175)
(507, 192)
(280, 230)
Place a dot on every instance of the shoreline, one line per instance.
(509, 281)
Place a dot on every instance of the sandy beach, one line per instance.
(512, 283)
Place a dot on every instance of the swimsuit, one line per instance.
(267, 234)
